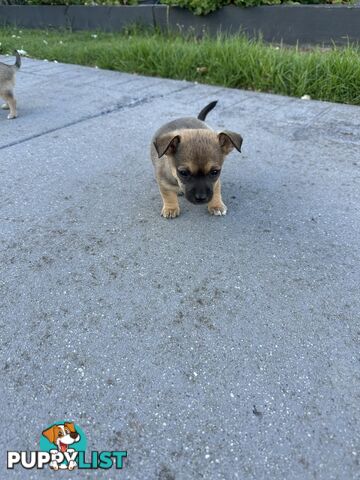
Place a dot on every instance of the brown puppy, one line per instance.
(188, 156)
(7, 83)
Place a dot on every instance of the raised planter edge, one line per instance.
(303, 24)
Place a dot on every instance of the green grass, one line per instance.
(324, 74)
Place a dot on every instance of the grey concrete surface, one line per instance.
(207, 347)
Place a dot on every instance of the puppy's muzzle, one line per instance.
(199, 197)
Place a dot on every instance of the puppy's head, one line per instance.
(62, 435)
(196, 158)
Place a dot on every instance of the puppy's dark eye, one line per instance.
(214, 172)
(60, 434)
(183, 173)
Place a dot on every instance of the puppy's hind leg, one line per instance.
(171, 207)
(9, 98)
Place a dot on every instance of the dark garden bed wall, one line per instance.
(306, 24)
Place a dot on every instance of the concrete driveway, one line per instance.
(207, 347)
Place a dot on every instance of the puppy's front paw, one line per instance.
(217, 210)
(11, 116)
(170, 212)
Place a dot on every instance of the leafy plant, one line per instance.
(203, 7)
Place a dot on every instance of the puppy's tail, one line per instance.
(17, 64)
(206, 110)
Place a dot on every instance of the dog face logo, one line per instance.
(62, 436)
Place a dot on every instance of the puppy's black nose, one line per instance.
(74, 435)
(200, 197)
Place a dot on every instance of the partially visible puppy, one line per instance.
(188, 156)
(7, 83)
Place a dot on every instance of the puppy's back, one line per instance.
(7, 72)
(7, 76)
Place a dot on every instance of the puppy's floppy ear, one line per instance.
(51, 433)
(228, 140)
(70, 426)
(166, 143)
